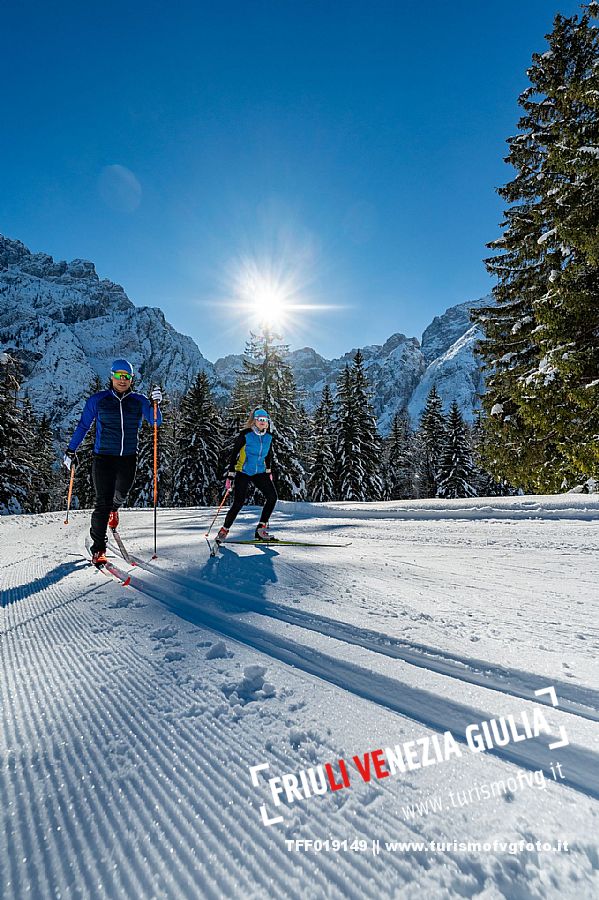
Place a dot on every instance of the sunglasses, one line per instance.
(123, 376)
(261, 419)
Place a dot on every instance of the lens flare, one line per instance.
(275, 289)
(266, 296)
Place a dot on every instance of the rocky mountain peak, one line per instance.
(398, 340)
(11, 252)
(56, 315)
(444, 330)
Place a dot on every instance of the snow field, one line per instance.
(132, 715)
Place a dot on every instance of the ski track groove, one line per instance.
(96, 760)
(283, 860)
(419, 655)
(47, 611)
(379, 689)
(59, 634)
(99, 733)
(77, 765)
(483, 586)
(32, 729)
(174, 829)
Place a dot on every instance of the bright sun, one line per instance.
(269, 303)
(266, 296)
(274, 293)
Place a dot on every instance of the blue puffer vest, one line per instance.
(118, 420)
(253, 454)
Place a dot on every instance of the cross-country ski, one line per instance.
(279, 542)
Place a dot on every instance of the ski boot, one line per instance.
(262, 534)
(99, 558)
(113, 519)
(222, 535)
(218, 540)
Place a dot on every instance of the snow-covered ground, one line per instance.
(132, 716)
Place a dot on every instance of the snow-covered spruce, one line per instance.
(196, 476)
(540, 339)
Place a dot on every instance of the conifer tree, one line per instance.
(430, 445)
(26, 450)
(263, 365)
(44, 490)
(371, 446)
(358, 446)
(568, 379)
(487, 485)
(196, 479)
(287, 463)
(232, 425)
(321, 480)
(540, 346)
(399, 459)
(267, 380)
(348, 474)
(83, 489)
(304, 426)
(15, 469)
(457, 472)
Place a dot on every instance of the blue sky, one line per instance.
(351, 150)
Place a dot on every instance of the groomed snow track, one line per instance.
(581, 765)
(124, 763)
(105, 794)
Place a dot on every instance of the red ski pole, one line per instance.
(222, 503)
(70, 494)
(155, 556)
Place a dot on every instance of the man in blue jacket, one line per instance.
(118, 413)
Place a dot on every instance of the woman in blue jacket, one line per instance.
(118, 413)
(250, 460)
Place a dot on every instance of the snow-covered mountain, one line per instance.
(456, 374)
(401, 371)
(60, 320)
(394, 370)
(448, 328)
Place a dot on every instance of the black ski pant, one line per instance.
(112, 477)
(263, 483)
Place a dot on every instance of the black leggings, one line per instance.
(112, 477)
(263, 483)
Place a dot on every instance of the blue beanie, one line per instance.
(122, 365)
(260, 412)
